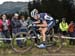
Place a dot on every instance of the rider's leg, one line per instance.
(43, 33)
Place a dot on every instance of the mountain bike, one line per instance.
(31, 38)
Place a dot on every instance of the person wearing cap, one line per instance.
(63, 26)
(15, 22)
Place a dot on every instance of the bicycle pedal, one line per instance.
(50, 44)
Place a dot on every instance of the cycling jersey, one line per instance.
(50, 21)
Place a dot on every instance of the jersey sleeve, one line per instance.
(42, 16)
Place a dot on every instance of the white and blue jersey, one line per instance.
(50, 21)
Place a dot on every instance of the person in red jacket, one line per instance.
(5, 23)
(1, 25)
(71, 30)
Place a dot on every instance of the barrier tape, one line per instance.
(11, 38)
(67, 37)
(25, 38)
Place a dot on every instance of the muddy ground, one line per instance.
(65, 51)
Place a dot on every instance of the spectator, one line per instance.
(1, 27)
(15, 23)
(16, 26)
(71, 30)
(6, 24)
(63, 26)
(23, 22)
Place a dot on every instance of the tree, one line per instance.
(57, 8)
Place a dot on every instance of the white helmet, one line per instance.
(34, 12)
(16, 14)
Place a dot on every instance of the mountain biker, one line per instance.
(47, 22)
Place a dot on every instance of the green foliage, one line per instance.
(56, 8)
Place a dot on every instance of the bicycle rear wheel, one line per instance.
(21, 43)
(54, 44)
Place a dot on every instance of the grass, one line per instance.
(6, 50)
(33, 52)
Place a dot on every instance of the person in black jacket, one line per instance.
(15, 23)
(16, 26)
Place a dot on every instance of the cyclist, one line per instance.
(47, 22)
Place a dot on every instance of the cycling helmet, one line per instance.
(34, 12)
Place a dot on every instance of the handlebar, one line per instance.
(31, 24)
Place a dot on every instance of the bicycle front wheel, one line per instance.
(21, 43)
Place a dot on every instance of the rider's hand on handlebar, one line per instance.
(34, 25)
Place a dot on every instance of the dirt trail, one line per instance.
(39, 52)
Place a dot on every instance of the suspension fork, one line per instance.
(36, 39)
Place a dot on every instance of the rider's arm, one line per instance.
(37, 22)
(44, 24)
